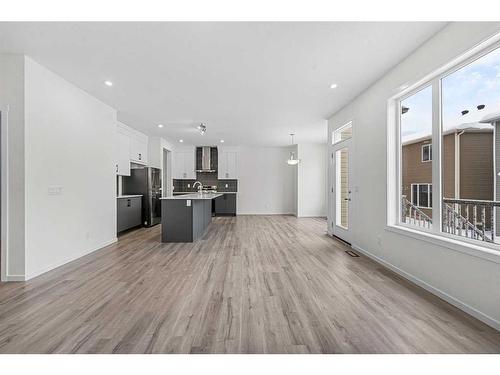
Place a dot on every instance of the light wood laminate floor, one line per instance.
(252, 284)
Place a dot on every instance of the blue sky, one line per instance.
(476, 83)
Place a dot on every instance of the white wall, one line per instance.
(70, 141)
(12, 96)
(467, 281)
(311, 184)
(156, 159)
(265, 181)
(295, 172)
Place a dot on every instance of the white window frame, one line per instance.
(418, 184)
(394, 179)
(339, 130)
(429, 145)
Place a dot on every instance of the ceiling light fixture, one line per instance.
(334, 86)
(221, 141)
(181, 140)
(160, 125)
(202, 128)
(292, 160)
(108, 83)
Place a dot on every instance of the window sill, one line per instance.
(452, 244)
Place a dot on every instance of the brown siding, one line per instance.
(476, 166)
(344, 187)
(448, 168)
(413, 169)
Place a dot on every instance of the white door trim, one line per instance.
(4, 110)
(332, 148)
(337, 230)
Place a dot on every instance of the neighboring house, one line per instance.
(468, 168)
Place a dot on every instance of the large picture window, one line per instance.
(416, 177)
(449, 130)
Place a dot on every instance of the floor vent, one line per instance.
(352, 253)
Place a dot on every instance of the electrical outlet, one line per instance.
(227, 186)
(189, 185)
(55, 190)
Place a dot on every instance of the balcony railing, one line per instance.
(412, 214)
(470, 218)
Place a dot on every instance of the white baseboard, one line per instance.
(314, 216)
(69, 259)
(264, 214)
(438, 292)
(15, 278)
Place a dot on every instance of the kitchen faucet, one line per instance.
(200, 187)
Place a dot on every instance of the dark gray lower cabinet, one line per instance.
(225, 205)
(129, 213)
(185, 220)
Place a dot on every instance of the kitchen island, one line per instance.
(185, 218)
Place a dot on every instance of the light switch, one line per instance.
(55, 190)
(227, 186)
(188, 203)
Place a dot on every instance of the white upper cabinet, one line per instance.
(183, 164)
(221, 164)
(138, 150)
(177, 165)
(123, 155)
(232, 165)
(190, 164)
(137, 146)
(227, 164)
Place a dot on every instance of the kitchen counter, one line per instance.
(128, 196)
(194, 196)
(194, 192)
(185, 218)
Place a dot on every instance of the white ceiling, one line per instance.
(250, 83)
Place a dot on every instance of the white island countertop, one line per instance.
(195, 196)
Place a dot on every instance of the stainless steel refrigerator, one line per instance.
(145, 181)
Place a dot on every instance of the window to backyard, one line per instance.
(448, 113)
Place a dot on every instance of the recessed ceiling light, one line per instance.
(181, 140)
(160, 125)
(108, 83)
(333, 86)
(221, 141)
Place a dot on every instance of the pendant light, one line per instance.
(292, 160)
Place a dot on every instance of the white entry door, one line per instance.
(341, 190)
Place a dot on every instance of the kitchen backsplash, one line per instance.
(207, 179)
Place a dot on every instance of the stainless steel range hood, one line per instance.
(206, 160)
